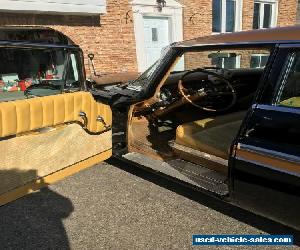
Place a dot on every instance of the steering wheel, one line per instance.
(192, 96)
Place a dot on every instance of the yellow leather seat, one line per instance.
(293, 102)
(211, 135)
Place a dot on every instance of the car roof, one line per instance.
(34, 34)
(272, 36)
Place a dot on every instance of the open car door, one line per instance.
(44, 139)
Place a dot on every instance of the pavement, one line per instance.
(116, 206)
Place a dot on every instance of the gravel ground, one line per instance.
(119, 207)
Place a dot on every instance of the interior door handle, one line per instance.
(101, 119)
(84, 118)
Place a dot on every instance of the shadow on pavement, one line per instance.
(259, 222)
(36, 220)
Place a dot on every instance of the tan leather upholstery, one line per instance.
(33, 156)
(293, 102)
(211, 135)
(26, 115)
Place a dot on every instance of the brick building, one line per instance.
(128, 35)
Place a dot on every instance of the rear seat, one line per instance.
(211, 135)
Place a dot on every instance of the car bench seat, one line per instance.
(211, 135)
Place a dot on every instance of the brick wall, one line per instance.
(109, 37)
(298, 12)
(197, 16)
(113, 42)
(248, 9)
(287, 12)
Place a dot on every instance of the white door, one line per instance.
(156, 30)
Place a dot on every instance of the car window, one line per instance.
(26, 73)
(72, 78)
(288, 93)
(225, 59)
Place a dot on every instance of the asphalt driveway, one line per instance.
(114, 206)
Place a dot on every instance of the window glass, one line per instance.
(225, 63)
(231, 62)
(42, 71)
(264, 14)
(230, 15)
(267, 15)
(256, 17)
(227, 58)
(263, 60)
(72, 80)
(258, 61)
(233, 59)
(216, 15)
(154, 35)
(289, 90)
(224, 14)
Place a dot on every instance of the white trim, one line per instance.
(142, 8)
(74, 7)
(238, 62)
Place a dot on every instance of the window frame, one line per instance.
(274, 16)
(282, 79)
(260, 56)
(223, 17)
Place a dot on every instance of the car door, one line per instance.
(50, 135)
(266, 167)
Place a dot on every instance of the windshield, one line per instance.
(21, 69)
(235, 59)
(144, 78)
(231, 59)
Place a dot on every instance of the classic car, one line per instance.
(219, 113)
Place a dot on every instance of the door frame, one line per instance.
(264, 174)
(148, 8)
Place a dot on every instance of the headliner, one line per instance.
(274, 35)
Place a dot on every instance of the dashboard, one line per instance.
(244, 82)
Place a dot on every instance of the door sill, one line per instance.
(197, 157)
(204, 179)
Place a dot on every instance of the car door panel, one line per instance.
(265, 171)
(43, 136)
(30, 114)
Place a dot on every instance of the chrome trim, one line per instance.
(278, 43)
(267, 166)
(83, 116)
(289, 45)
(270, 153)
(199, 154)
(278, 108)
(182, 45)
(101, 120)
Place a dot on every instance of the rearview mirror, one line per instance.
(222, 55)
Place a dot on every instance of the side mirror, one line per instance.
(91, 57)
